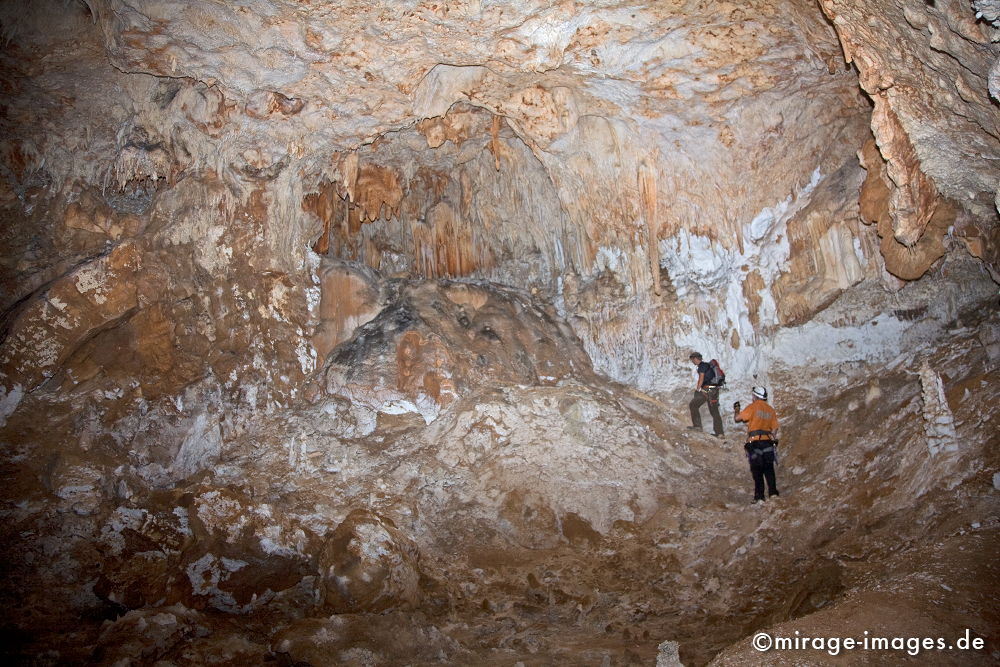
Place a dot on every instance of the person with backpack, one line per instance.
(710, 378)
(762, 429)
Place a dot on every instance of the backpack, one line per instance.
(719, 377)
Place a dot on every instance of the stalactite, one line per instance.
(914, 198)
(904, 262)
(647, 193)
(445, 246)
(495, 140)
(348, 167)
(322, 244)
(377, 192)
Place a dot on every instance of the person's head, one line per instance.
(759, 393)
(695, 358)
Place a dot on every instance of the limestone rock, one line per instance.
(668, 655)
(433, 342)
(544, 466)
(349, 298)
(95, 296)
(265, 263)
(147, 635)
(939, 421)
(926, 69)
(80, 485)
(369, 565)
(365, 639)
(208, 548)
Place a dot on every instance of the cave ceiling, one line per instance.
(699, 95)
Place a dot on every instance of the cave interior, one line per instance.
(358, 333)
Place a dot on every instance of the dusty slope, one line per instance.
(566, 521)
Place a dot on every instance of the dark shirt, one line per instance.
(706, 368)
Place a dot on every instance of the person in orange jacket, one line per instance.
(762, 438)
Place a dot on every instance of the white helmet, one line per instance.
(760, 392)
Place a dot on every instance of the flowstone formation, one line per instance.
(930, 72)
(357, 334)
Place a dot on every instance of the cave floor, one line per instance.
(871, 534)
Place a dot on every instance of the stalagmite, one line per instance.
(939, 421)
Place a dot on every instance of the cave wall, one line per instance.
(670, 177)
(927, 70)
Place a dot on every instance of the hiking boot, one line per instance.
(719, 435)
(694, 428)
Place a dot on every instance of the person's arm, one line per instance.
(701, 379)
(742, 417)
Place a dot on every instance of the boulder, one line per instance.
(368, 565)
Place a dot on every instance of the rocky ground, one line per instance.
(532, 512)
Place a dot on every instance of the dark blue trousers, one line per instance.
(762, 469)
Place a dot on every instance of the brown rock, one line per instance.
(94, 297)
(78, 482)
(349, 297)
(212, 548)
(907, 261)
(369, 565)
(927, 69)
(529, 520)
(144, 636)
(366, 639)
(264, 103)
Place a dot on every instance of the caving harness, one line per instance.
(711, 392)
(764, 443)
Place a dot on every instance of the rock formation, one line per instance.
(357, 333)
